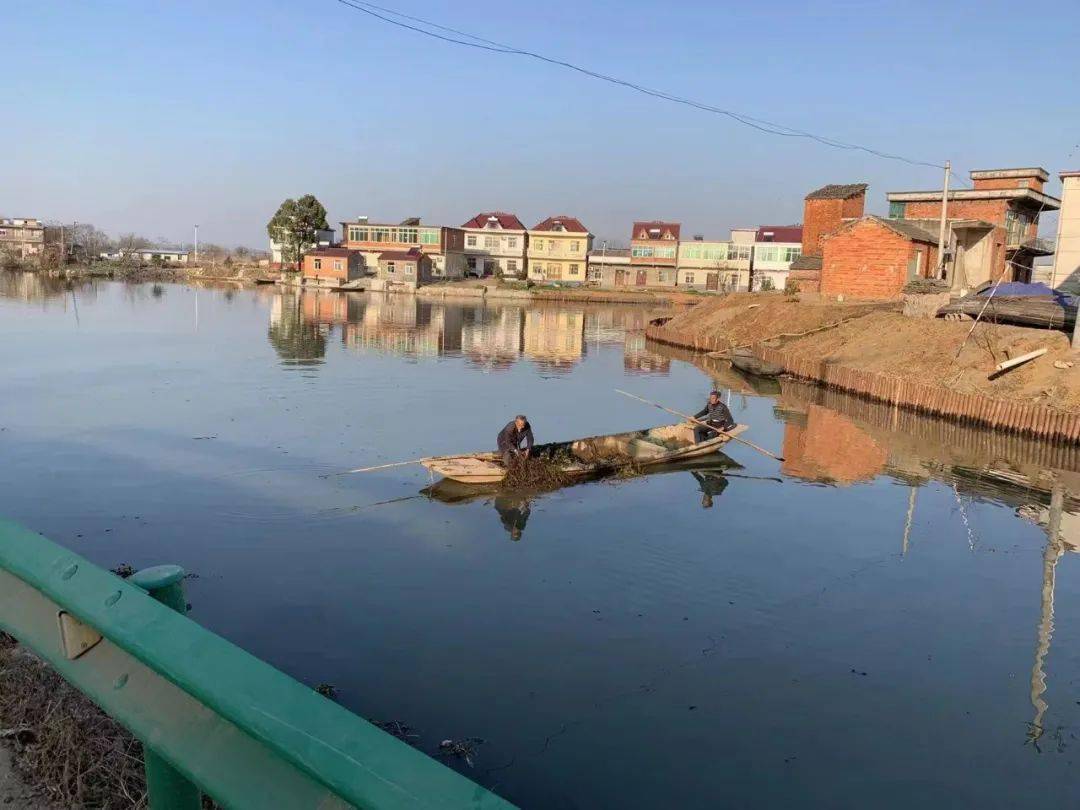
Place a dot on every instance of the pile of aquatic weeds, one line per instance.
(535, 473)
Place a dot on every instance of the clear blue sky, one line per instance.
(151, 116)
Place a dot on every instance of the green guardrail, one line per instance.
(212, 717)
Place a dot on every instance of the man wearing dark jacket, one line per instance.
(716, 414)
(510, 438)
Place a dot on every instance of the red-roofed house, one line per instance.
(495, 245)
(654, 252)
(559, 250)
(332, 266)
(775, 248)
(403, 269)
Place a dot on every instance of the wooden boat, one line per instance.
(593, 456)
(749, 363)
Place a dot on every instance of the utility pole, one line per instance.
(196, 244)
(944, 212)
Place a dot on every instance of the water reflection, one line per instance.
(40, 288)
(515, 506)
(489, 335)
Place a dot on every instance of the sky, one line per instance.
(150, 117)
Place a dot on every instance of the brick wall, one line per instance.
(1008, 182)
(821, 217)
(987, 210)
(868, 260)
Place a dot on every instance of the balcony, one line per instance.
(1030, 244)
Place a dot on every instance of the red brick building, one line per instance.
(992, 229)
(875, 257)
(332, 266)
(825, 210)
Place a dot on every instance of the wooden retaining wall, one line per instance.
(972, 409)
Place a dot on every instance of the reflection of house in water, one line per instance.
(404, 325)
(554, 337)
(823, 445)
(638, 359)
(493, 338)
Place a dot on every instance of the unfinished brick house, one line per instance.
(825, 210)
(874, 257)
(992, 229)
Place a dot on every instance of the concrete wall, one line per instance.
(1066, 273)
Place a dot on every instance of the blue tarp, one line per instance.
(1017, 289)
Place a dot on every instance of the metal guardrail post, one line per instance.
(166, 787)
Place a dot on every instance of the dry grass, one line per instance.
(63, 742)
(535, 473)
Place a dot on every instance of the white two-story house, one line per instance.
(495, 245)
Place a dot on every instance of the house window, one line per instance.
(690, 278)
(470, 240)
(318, 264)
(665, 253)
(551, 245)
(539, 245)
(511, 266)
(491, 242)
(792, 253)
(429, 237)
(410, 269)
(641, 252)
(594, 274)
(896, 210)
(766, 254)
(472, 263)
(661, 277)
(337, 264)
(573, 270)
(511, 242)
(575, 246)
(389, 267)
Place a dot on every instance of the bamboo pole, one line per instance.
(761, 450)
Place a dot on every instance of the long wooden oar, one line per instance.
(761, 450)
(416, 461)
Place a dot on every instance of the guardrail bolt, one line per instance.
(167, 788)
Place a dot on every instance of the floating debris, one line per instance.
(396, 728)
(327, 690)
(123, 570)
(462, 749)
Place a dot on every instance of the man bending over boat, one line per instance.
(511, 437)
(716, 414)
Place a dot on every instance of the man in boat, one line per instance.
(716, 414)
(511, 437)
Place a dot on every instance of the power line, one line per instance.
(465, 39)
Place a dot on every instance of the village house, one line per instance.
(558, 250)
(1066, 269)
(874, 257)
(716, 265)
(403, 269)
(775, 248)
(443, 245)
(654, 255)
(323, 238)
(332, 266)
(495, 245)
(824, 211)
(608, 267)
(992, 229)
(21, 237)
(161, 255)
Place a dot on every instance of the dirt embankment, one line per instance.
(878, 338)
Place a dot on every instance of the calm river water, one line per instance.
(879, 621)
